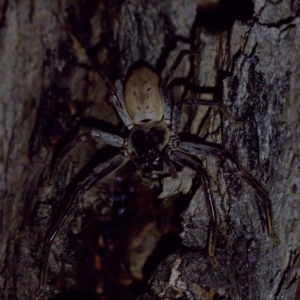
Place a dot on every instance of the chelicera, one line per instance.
(153, 146)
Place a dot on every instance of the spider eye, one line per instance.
(157, 160)
(147, 168)
(158, 164)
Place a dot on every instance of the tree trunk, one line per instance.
(121, 242)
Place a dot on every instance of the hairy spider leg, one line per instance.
(213, 149)
(186, 160)
(99, 172)
(164, 87)
(107, 138)
(118, 103)
(171, 167)
(177, 112)
(176, 119)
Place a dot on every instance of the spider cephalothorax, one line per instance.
(152, 145)
(146, 144)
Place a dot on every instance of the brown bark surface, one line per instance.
(248, 56)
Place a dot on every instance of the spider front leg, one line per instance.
(213, 149)
(200, 102)
(98, 173)
(186, 160)
(107, 138)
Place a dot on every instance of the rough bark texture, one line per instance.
(249, 57)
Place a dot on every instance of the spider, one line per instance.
(153, 145)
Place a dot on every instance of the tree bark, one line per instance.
(248, 56)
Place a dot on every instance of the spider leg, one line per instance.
(175, 65)
(186, 160)
(107, 138)
(200, 102)
(164, 87)
(213, 149)
(171, 168)
(98, 173)
(117, 101)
